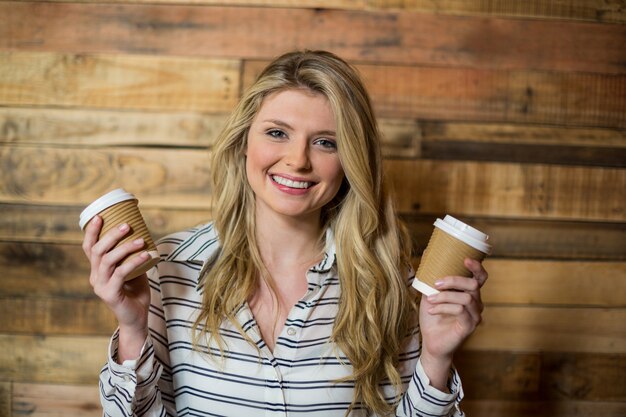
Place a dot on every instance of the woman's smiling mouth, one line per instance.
(291, 183)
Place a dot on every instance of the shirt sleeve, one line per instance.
(141, 387)
(422, 399)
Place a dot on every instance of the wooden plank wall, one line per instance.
(508, 114)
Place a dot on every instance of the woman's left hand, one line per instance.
(448, 318)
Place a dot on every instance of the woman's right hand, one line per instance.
(129, 300)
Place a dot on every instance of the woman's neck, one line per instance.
(286, 242)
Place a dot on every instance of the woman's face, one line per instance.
(292, 162)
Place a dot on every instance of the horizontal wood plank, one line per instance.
(56, 316)
(521, 134)
(589, 10)
(522, 408)
(44, 270)
(555, 283)
(118, 81)
(550, 154)
(552, 329)
(59, 224)
(43, 175)
(593, 10)
(383, 36)
(484, 95)
(508, 190)
(180, 178)
(54, 359)
(522, 143)
(96, 128)
(5, 398)
(542, 376)
(47, 400)
(535, 239)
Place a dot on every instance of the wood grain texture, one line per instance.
(118, 81)
(96, 128)
(554, 283)
(499, 408)
(510, 115)
(48, 400)
(490, 95)
(543, 376)
(5, 399)
(515, 134)
(56, 316)
(536, 239)
(593, 10)
(382, 36)
(195, 84)
(551, 329)
(58, 224)
(42, 270)
(589, 10)
(54, 359)
(503, 190)
(44, 175)
(522, 143)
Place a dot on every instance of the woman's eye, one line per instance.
(275, 133)
(326, 143)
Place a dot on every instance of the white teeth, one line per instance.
(290, 183)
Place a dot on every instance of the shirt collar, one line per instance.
(203, 244)
(198, 247)
(330, 254)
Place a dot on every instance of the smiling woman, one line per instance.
(292, 162)
(296, 300)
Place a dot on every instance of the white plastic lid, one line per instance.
(473, 237)
(102, 203)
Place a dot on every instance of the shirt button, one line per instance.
(126, 378)
(291, 331)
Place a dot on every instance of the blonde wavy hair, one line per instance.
(376, 309)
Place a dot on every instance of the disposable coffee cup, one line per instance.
(451, 242)
(115, 208)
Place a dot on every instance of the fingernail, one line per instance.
(138, 241)
(144, 255)
(96, 219)
(438, 283)
(432, 297)
(123, 227)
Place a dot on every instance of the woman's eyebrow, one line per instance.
(289, 127)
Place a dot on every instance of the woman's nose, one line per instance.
(297, 156)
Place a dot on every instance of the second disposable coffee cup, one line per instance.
(115, 208)
(451, 242)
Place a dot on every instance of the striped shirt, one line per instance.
(299, 378)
